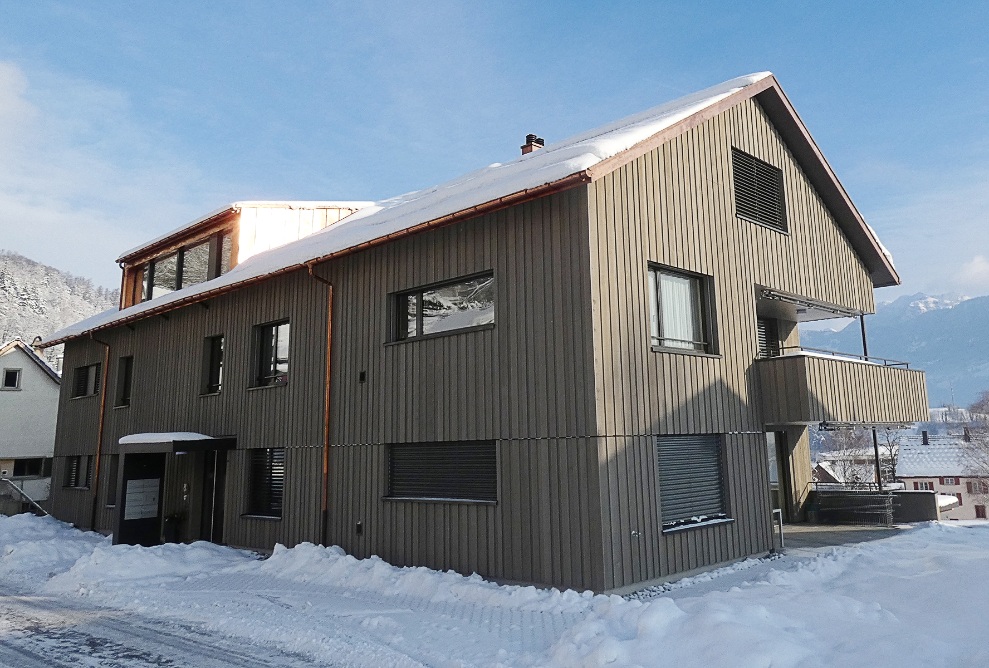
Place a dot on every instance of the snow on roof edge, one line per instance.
(551, 164)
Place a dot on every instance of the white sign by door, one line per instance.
(141, 499)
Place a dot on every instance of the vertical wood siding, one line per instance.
(674, 207)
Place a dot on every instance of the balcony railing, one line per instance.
(796, 350)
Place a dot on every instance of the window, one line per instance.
(950, 481)
(267, 482)
(980, 512)
(125, 371)
(34, 467)
(212, 364)
(78, 471)
(959, 496)
(458, 471)
(680, 316)
(758, 190)
(690, 479)
(11, 379)
(768, 333)
(271, 343)
(86, 380)
(924, 485)
(450, 307)
(200, 262)
(977, 487)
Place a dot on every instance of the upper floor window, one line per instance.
(125, 373)
(447, 307)
(11, 379)
(680, 310)
(86, 380)
(212, 364)
(758, 190)
(271, 343)
(187, 266)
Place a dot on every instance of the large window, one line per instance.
(11, 379)
(458, 471)
(187, 266)
(680, 312)
(212, 364)
(691, 487)
(78, 471)
(33, 467)
(86, 380)
(125, 374)
(271, 343)
(447, 307)
(267, 483)
(758, 190)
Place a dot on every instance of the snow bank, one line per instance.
(33, 549)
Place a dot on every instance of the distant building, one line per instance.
(939, 463)
(28, 410)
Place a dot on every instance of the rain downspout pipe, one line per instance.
(325, 505)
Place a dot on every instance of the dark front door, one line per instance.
(214, 479)
(139, 506)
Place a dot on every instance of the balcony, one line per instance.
(806, 386)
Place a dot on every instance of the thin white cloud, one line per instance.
(975, 272)
(81, 178)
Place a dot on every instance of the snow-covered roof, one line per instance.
(163, 437)
(946, 501)
(578, 159)
(27, 350)
(943, 456)
(236, 206)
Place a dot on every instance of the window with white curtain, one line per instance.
(679, 311)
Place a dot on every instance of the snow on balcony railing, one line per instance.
(803, 351)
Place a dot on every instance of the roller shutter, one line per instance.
(769, 337)
(456, 471)
(758, 190)
(690, 477)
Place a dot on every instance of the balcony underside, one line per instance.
(810, 389)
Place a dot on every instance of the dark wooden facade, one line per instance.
(565, 382)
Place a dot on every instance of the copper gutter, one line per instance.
(506, 201)
(325, 497)
(99, 431)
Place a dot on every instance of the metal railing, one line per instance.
(784, 350)
(35, 508)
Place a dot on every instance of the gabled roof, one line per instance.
(580, 159)
(33, 356)
(943, 456)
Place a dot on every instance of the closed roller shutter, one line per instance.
(456, 471)
(690, 480)
(758, 190)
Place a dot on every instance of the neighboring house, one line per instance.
(940, 463)
(566, 369)
(28, 409)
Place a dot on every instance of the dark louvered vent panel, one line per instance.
(758, 190)
(690, 482)
(80, 379)
(769, 337)
(463, 471)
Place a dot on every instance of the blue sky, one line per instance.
(121, 120)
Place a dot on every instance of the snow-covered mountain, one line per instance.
(943, 335)
(36, 299)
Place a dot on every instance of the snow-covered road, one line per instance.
(76, 600)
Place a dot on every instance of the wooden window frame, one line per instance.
(399, 314)
(706, 310)
(212, 361)
(91, 381)
(215, 268)
(265, 374)
(123, 390)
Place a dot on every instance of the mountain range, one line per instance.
(36, 300)
(943, 335)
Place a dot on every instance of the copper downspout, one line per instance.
(99, 431)
(325, 510)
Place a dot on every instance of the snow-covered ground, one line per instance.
(70, 598)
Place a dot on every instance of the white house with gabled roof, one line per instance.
(941, 463)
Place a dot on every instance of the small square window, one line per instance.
(758, 190)
(267, 483)
(86, 380)
(212, 364)
(11, 379)
(680, 311)
(448, 307)
(271, 344)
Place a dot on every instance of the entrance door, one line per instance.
(214, 484)
(139, 506)
(781, 485)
